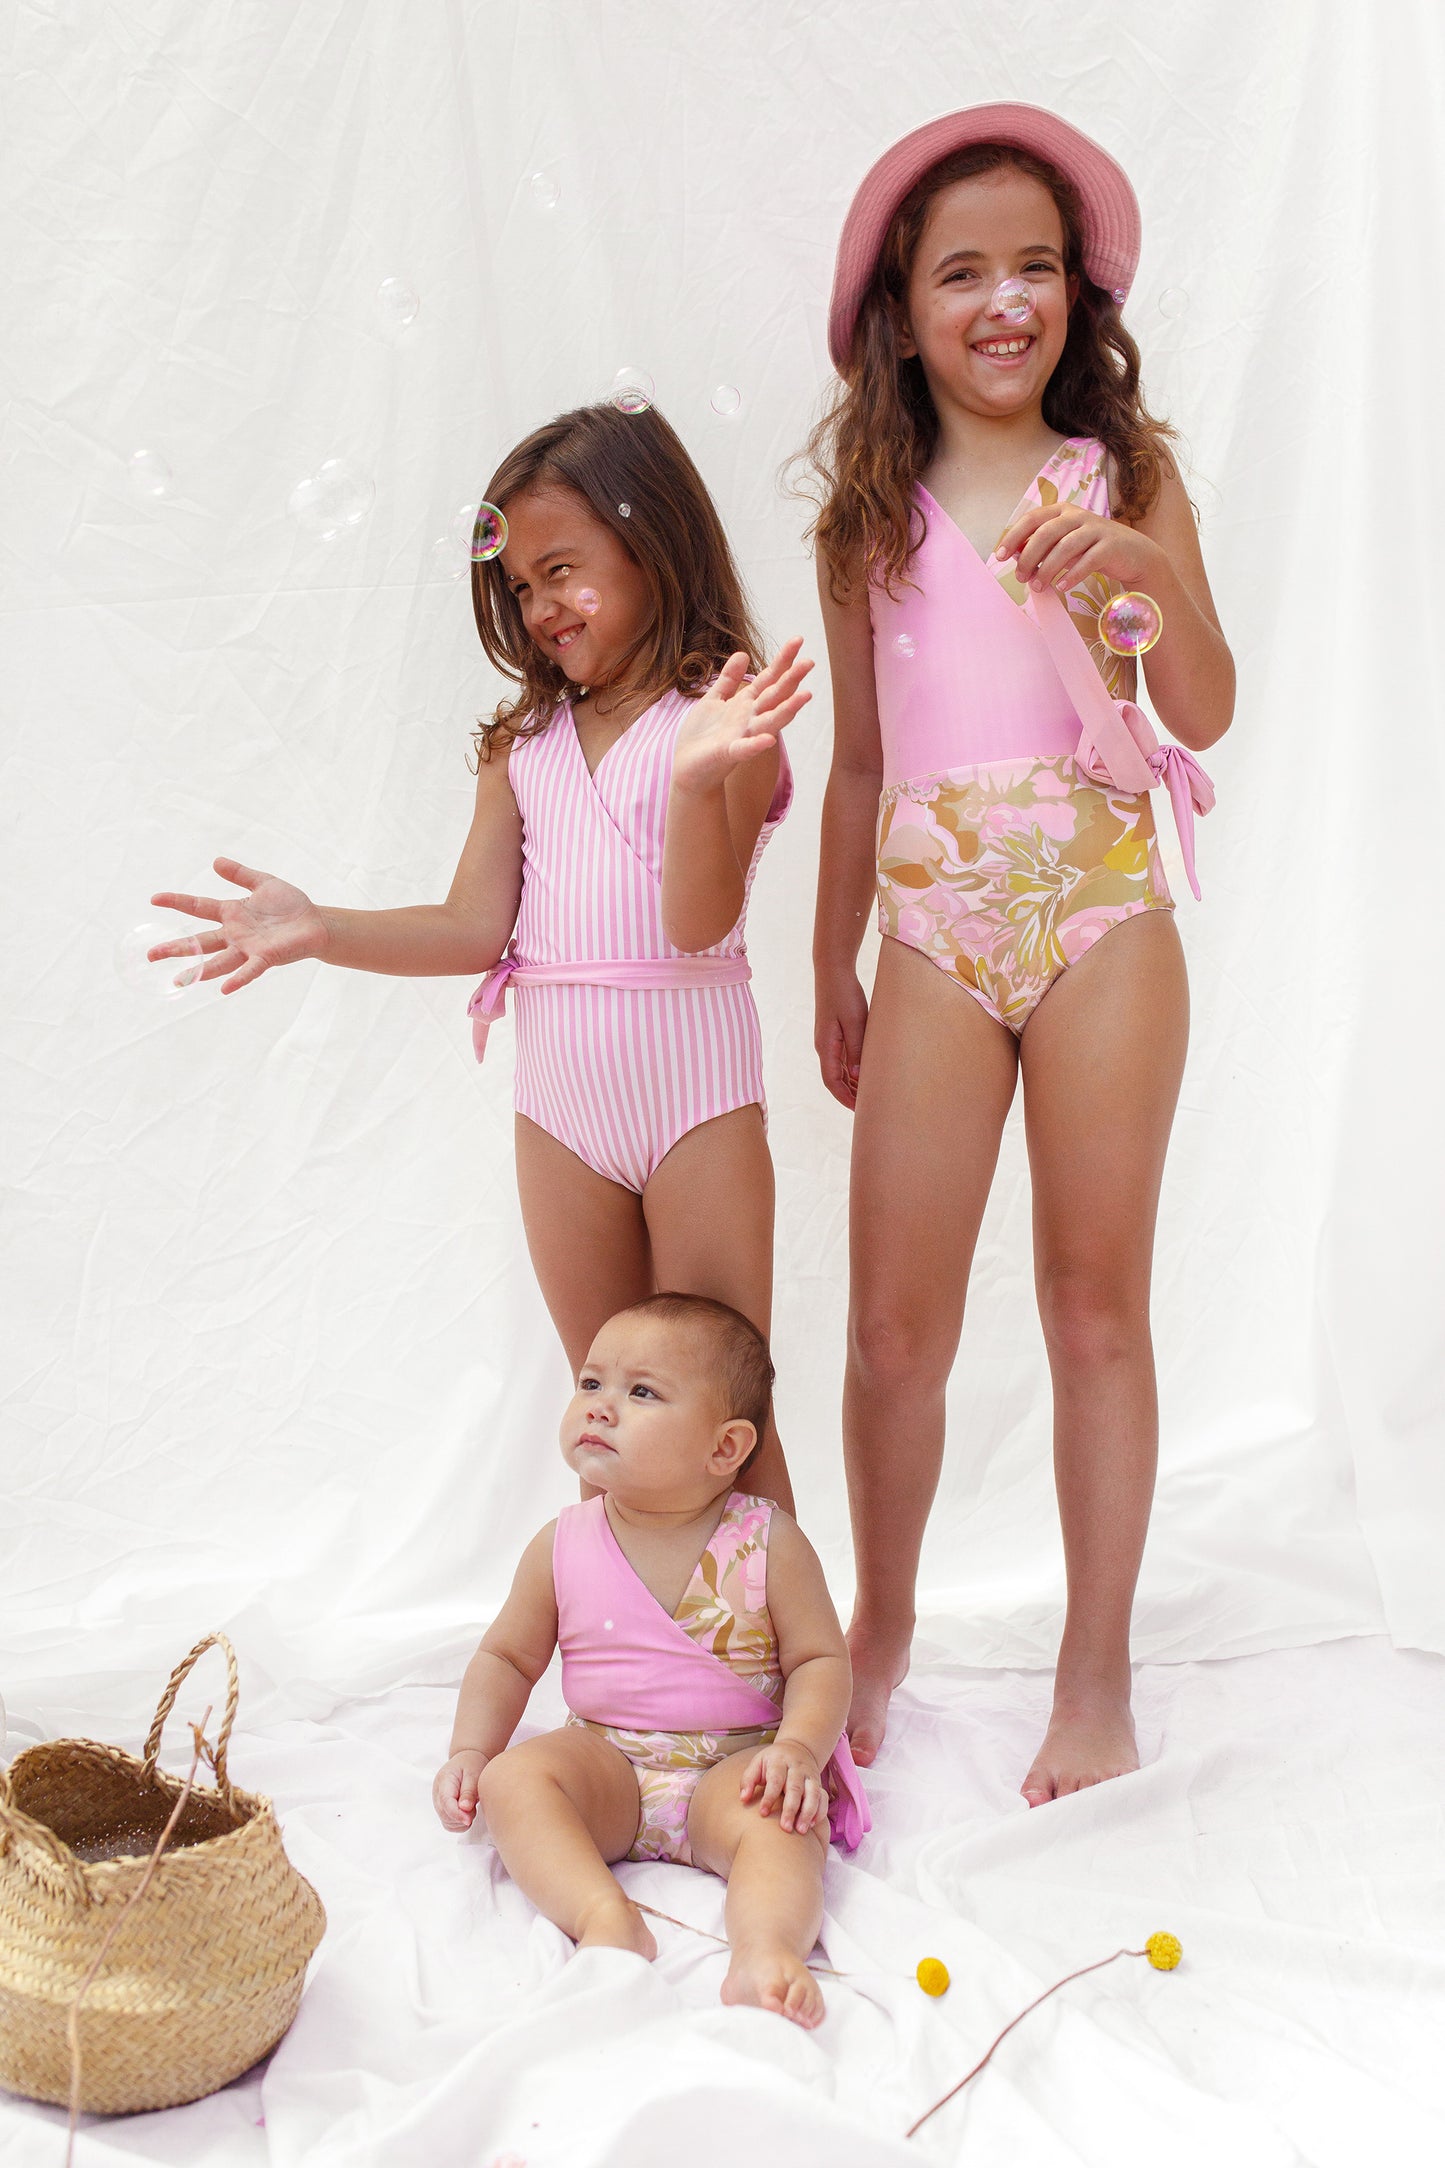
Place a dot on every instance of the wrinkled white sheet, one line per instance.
(273, 1357)
(1288, 1827)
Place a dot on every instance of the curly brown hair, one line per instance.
(634, 474)
(880, 429)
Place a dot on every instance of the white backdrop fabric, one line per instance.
(274, 1358)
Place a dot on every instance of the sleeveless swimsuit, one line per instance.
(1006, 844)
(678, 1694)
(624, 1043)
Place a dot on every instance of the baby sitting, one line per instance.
(702, 1662)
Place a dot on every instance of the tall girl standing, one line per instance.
(988, 477)
(624, 799)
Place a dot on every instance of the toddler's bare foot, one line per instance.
(880, 1662)
(775, 1979)
(1089, 1739)
(615, 1924)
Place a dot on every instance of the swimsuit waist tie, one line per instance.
(1117, 744)
(629, 974)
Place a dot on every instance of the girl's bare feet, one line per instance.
(880, 1662)
(1090, 1739)
(773, 1978)
(615, 1924)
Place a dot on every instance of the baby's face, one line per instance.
(646, 1418)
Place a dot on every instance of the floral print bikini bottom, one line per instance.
(1004, 875)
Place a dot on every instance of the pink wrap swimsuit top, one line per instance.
(967, 675)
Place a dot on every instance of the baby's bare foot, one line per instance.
(880, 1662)
(615, 1924)
(775, 1979)
(1089, 1740)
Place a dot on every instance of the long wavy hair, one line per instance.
(634, 474)
(880, 429)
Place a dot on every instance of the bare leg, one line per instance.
(558, 1809)
(935, 1083)
(775, 1894)
(1102, 1058)
(587, 1238)
(709, 1211)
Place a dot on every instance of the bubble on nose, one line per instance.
(1014, 300)
(489, 534)
(399, 303)
(726, 399)
(906, 646)
(589, 601)
(160, 982)
(632, 391)
(1129, 624)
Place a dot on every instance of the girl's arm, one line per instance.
(513, 1653)
(276, 923)
(847, 871)
(1189, 671)
(813, 1657)
(724, 774)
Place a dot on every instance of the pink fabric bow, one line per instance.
(1190, 790)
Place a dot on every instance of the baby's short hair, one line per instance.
(739, 1354)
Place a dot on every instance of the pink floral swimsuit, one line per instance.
(713, 1663)
(998, 857)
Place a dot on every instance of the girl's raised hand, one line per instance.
(1057, 545)
(273, 923)
(738, 718)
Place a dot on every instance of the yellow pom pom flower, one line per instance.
(933, 1976)
(1163, 1952)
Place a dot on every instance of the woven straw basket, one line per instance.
(205, 1971)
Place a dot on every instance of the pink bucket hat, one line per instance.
(1110, 207)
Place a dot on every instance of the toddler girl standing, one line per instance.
(624, 798)
(990, 477)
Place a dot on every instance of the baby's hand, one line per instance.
(454, 1794)
(1058, 545)
(788, 1773)
(738, 718)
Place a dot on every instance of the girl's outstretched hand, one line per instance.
(454, 1791)
(738, 718)
(273, 924)
(1057, 545)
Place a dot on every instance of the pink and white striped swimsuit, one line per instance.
(619, 1072)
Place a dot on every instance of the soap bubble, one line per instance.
(1121, 294)
(1130, 624)
(332, 498)
(1014, 300)
(589, 600)
(632, 391)
(545, 187)
(625, 510)
(167, 980)
(726, 399)
(489, 534)
(1173, 301)
(399, 303)
(150, 476)
(906, 645)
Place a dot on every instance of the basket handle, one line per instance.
(168, 1701)
(15, 1823)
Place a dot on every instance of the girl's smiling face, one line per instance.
(583, 597)
(995, 226)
